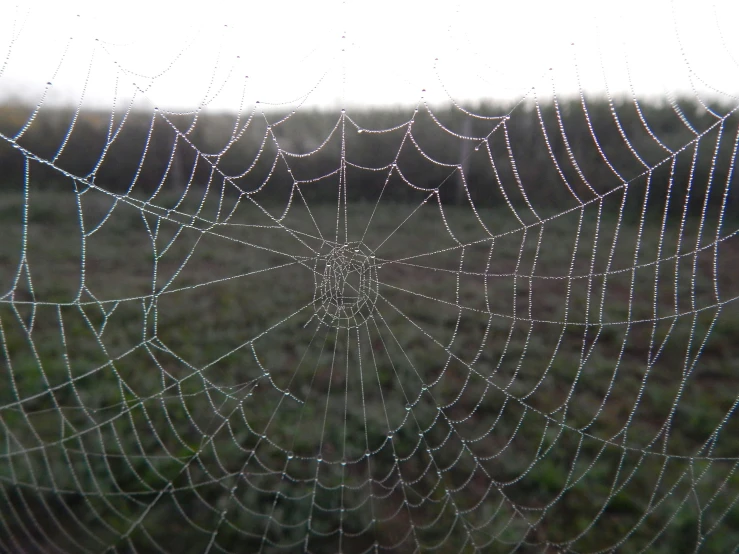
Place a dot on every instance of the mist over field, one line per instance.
(554, 154)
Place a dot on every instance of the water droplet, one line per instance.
(290, 455)
(360, 130)
(407, 407)
(343, 462)
(367, 453)
(550, 69)
(423, 90)
(237, 57)
(287, 393)
(372, 256)
(477, 148)
(319, 459)
(156, 109)
(48, 83)
(343, 110)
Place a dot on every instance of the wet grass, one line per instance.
(165, 384)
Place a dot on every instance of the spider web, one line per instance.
(240, 365)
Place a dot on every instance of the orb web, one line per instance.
(493, 329)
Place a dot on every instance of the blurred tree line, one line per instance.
(546, 153)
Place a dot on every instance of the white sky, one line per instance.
(182, 55)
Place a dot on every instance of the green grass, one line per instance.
(140, 399)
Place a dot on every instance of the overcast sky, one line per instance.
(333, 53)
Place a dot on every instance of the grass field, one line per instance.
(165, 383)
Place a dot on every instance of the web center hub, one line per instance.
(346, 284)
